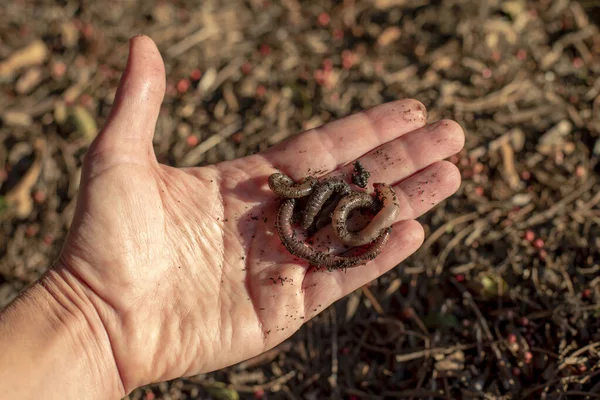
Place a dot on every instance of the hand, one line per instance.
(175, 262)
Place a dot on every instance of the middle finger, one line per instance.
(398, 159)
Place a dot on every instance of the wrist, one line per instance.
(53, 342)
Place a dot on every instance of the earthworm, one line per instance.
(319, 258)
(284, 186)
(324, 216)
(320, 194)
(382, 220)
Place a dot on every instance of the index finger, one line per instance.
(321, 150)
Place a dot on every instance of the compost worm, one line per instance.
(382, 220)
(319, 258)
(319, 196)
(322, 206)
(282, 185)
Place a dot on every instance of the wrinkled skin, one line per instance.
(182, 277)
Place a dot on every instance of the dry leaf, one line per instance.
(16, 118)
(389, 36)
(29, 80)
(34, 54)
(352, 305)
(19, 198)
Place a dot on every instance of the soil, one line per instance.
(502, 301)
(360, 176)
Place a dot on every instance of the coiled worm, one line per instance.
(321, 207)
(283, 186)
(382, 220)
(320, 194)
(319, 258)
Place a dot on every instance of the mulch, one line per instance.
(501, 302)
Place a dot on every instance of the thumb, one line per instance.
(127, 134)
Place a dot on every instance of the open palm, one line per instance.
(185, 267)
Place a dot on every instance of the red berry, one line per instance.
(183, 85)
(246, 68)
(48, 239)
(39, 196)
(512, 338)
(324, 19)
(265, 49)
(408, 313)
(348, 59)
(196, 74)
(347, 63)
(587, 293)
(86, 100)
(259, 394)
(538, 243)
(59, 68)
(192, 140)
(260, 91)
(31, 230)
(527, 357)
(460, 278)
(87, 30)
(529, 235)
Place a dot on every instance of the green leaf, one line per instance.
(84, 122)
(493, 285)
(220, 391)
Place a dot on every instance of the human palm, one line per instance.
(185, 267)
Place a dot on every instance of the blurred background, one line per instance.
(502, 301)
